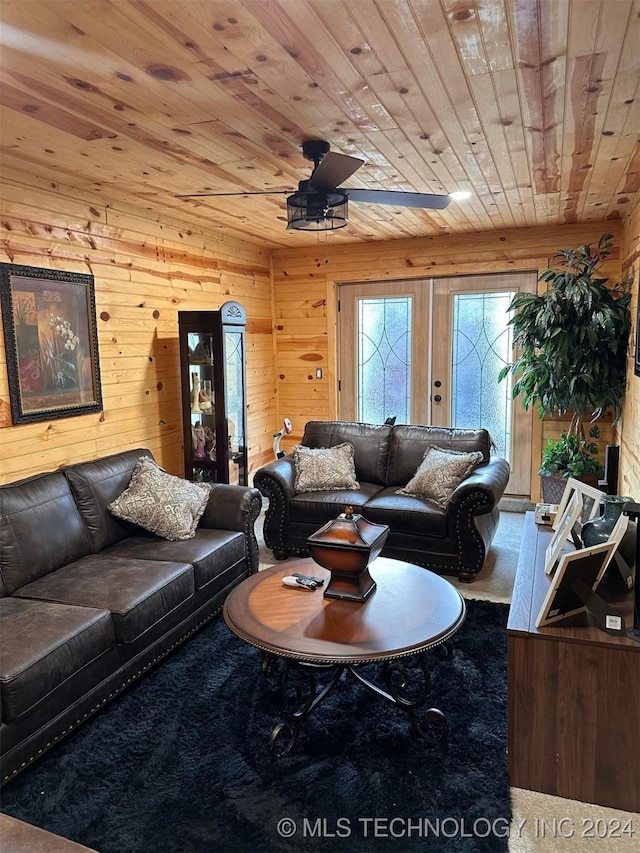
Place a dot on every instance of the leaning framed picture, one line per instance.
(50, 335)
(570, 516)
(587, 565)
(589, 496)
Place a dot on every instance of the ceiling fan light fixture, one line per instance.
(459, 195)
(320, 204)
(317, 211)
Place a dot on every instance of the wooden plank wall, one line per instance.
(629, 481)
(145, 272)
(305, 286)
(144, 267)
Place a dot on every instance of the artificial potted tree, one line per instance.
(572, 345)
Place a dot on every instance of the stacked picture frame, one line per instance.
(576, 572)
(579, 503)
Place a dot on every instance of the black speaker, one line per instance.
(611, 461)
(633, 511)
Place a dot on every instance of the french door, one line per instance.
(429, 351)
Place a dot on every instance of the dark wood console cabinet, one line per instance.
(574, 695)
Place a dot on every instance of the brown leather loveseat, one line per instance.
(450, 540)
(89, 602)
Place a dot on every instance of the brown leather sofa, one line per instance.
(454, 540)
(89, 602)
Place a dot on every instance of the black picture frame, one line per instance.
(51, 343)
(636, 364)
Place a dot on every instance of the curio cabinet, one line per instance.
(214, 399)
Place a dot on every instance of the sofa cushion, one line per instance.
(439, 473)
(211, 552)
(40, 529)
(43, 645)
(370, 441)
(322, 469)
(95, 485)
(409, 443)
(163, 504)
(320, 507)
(139, 593)
(406, 514)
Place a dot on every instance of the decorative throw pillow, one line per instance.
(161, 503)
(439, 473)
(321, 469)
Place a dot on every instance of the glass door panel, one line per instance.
(384, 359)
(379, 336)
(472, 342)
(481, 346)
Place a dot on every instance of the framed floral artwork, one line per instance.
(50, 336)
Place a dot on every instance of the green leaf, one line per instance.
(573, 338)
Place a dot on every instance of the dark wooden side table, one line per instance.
(411, 611)
(574, 695)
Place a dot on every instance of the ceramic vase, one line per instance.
(597, 530)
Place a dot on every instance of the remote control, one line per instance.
(317, 581)
(300, 583)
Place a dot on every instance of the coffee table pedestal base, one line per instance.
(404, 686)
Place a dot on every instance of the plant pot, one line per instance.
(553, 486)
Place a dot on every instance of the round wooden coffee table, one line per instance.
(412, 611)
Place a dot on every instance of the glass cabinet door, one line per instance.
(202, 403)
(236, 404)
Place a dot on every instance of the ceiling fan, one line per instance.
(321, 203)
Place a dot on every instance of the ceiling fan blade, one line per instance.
(401, 199)
(333, 169)
(247, 192)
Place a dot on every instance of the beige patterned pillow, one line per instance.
(321, 469)
(439, 473)
(161, 503)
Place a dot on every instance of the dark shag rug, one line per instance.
(180, 763)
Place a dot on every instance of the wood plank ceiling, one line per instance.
(531, 105)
